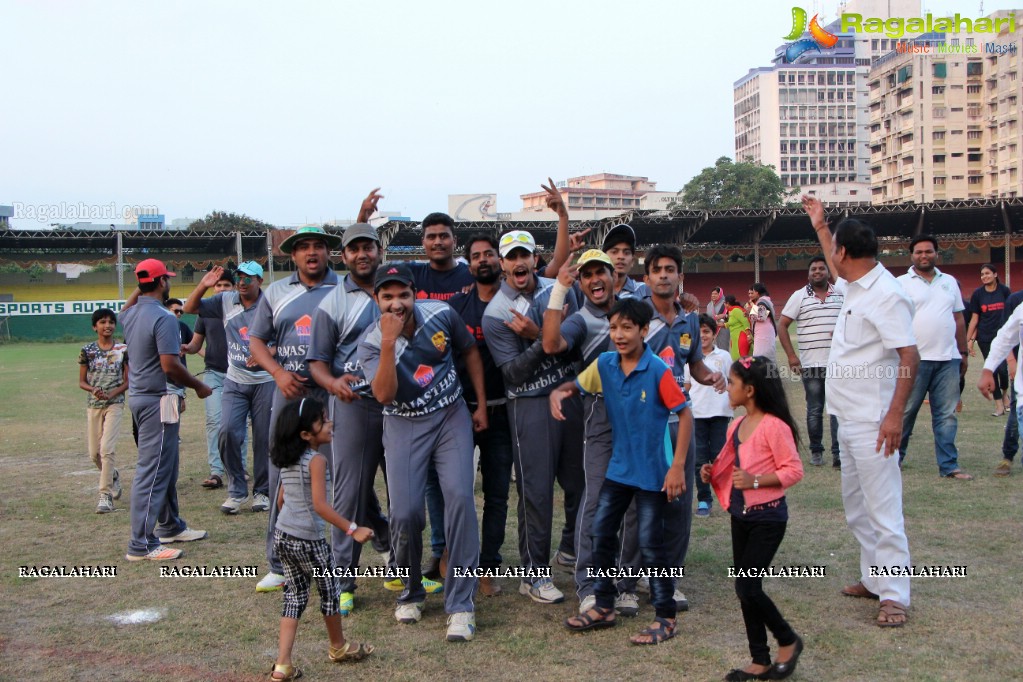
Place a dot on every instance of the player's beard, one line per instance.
(487, 275)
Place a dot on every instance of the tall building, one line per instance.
(602, 192)
(809, 118)
(945, 118)
(6, 213)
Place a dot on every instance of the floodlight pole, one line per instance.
(270, 254)
(1007, 224)
(120, 268)
(238, 246)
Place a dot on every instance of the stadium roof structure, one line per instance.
(738, 229)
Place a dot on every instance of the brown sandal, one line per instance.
(288, 672)
(891, 610)
(859, 591)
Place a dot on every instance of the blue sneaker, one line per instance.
(703, 509)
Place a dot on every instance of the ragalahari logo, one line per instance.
(819, 37)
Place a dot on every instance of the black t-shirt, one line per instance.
(470, 308)
(440, 285)
(186, 338)
(990, 306)
(216, 344)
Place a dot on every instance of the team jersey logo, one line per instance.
(423, 375)
(642, 396)
(440, 342)
(668, 355)
(244, 334)
(685, 341)
(304, 326)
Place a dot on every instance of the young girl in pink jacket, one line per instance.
(759, 461)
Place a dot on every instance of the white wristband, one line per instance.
(558, 293)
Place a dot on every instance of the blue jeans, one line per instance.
(813, 386)
(940, 380)
(650, 511)
(495, 471)
(710, 438)
(215, 380)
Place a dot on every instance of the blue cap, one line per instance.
(251, 267)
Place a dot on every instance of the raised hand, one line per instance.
(814, 209)
(210, 279)
(523, 326)
(390, 327)
(577, 240)
(554, 200)
(369, 205)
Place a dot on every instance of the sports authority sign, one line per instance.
(57, 307)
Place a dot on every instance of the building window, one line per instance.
(974, 68)
(940, 69)
(939, 181)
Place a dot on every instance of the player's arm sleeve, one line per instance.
(958, 306)
(323, 343)
(573, 331)
(695, 347)
(200, 327)
(168, 336)
(671, 395)
(212, 307)
(975, 302)
(369, 352)
(1004, 341)
(588, 380)
(83, 357)
(520, 368)
(262, 326)
(787, 465)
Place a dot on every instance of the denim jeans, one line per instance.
(650, 508)
(495, 471)
(212, 404)
(813, 386)
(940, 380)
(1011, 440)
(710, 438)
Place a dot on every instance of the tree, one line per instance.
(735, 185)
(219, 221)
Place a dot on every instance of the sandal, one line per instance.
(859, 591)
(213, 482)
(889, 614)
(959, 475)
(288, 672)
(350, 653)
(584, 621)
(664, 630)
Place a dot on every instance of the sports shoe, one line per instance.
(543, 591)
(1004, 468)
(836, 462)
(233, 505)
(117, 485)
(461, 626)
(703, 509)
(429, 586)
(588, 602)
(161, 553)
(187, 535)
(409, 613)
(106, 505)
(817, 459)
(643, 585)
(260, 502)
(681, 603)
(346, 603)
(565, 561)
(271, 582)
(627, 604)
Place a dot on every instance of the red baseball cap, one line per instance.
(150, 270)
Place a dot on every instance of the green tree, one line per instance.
(228, 222)
(735, 185)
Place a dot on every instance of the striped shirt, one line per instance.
(815, 323)
(339, 323)
(227, 307)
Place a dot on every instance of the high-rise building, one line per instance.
(809, 118)
(945, 117)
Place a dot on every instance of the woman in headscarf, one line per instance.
(717, 309)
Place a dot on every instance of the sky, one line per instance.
(290, 112)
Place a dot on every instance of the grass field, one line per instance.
(221, 629)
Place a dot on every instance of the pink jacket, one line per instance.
(770, 448)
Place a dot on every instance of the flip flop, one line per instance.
(891, 609)
(213, 482)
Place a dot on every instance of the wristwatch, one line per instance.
(756, 482)
(351, 528)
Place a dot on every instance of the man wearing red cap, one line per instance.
(156, 383)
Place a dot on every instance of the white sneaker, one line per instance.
(461, 626)
(409, 613)
(627, 604)
(271, 582)
(643, 585)
(233, 505)
(260, 502)
(105, 505)
(161, 553)
(588, 602)
(187, 535)
(681, 603)
(117, 485)
(542, 591)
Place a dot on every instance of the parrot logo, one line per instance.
(818, 36)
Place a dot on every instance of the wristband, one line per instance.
(756, 482)
(558, 293)
(351, 528)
